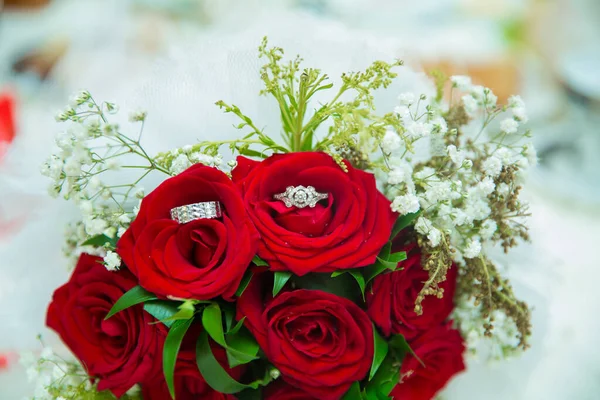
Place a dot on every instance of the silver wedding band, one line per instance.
(192, 212)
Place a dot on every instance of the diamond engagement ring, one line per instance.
(191, 212)
(300, 196)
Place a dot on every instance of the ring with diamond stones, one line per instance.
(191, 212)
(300, 196)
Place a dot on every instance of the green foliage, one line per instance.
(294, 89)
(171, 350)
(279, 281)
(240, 346)
(134, 296)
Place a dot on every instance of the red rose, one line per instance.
(201, 259)
(120, 351)
(282, 391)
(320, 342)
(441, 350)
(391, 299)
(345, 231)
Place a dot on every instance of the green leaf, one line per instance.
(281, 278)
(397, 257)
(244, 283)
(186, 311)
(242, 348)
(100, 241)
(213, 373)
(353, 393)
(134, 296)
(259, 262)
(343, 285)
(402, 222)
(243, 351)
(388, 264)
(380, 352)
(171, 349)
(384, 253)
(162, 310)
(401, 347)
(356, 274)
(385, 379)
(237, 327)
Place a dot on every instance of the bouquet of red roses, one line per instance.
(333, 265)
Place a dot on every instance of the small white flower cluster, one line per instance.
(477, 97)
(91, 147)
(499, 346)
(186, 156)
(454, 197)
(52, 377)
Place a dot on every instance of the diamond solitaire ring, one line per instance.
(300, 196)
(191, 212)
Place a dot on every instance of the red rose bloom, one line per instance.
(201, 259)
(282, 391)
(320, 342)
(441, 350)
(347, 230)
(120, 351)
(391, 299)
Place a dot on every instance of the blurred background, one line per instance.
(176, 57)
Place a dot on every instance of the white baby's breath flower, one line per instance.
(467, 164)
(486, 186)
(406, 204)
(72, 167)
(94, 183)
(390, 142)
(112, 261)
(473, 249)
(137, 116)
(461, 82)
(113, 164)
(401, 173)
(439, 125)
(121, 231)
(79, 98)
(136, 209)
(438, 191)
(402, 111)
(502, 189)
(423, 225)
(516, 101)
(416, 130)
(187, 148)
(457, 156)
(139, 193)
(406, 99)
(124, 219)
(180, 164)
(470, 104)
(492, 166)
(530, 153)
(425, 173)
(86, 207)
(232, 163)
(434, 235)
(509, 125)
(520, 113)
(95, 226)
(488, 228)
